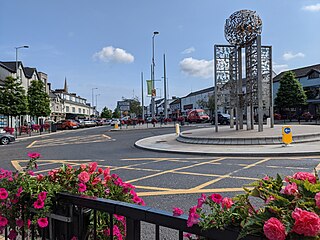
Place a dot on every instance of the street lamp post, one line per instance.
(92, 89)
(97, 95)
(17, 59)
(17, 77)
(152, 76)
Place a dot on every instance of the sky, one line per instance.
(107, 44)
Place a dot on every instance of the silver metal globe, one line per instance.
(242, 27)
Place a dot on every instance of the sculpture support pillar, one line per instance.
(259, 83)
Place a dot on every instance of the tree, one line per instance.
(135, 107)
(290, 93)
(210, 104)
(38, 99)
(106, 113)
(13, 100)
(116, 113)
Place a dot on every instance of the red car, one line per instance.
(67, 124)
(197, 115)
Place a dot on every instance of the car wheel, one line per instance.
(5, 141)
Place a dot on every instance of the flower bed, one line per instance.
(27, 199)
(288, 212)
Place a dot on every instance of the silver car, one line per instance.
(6, 138)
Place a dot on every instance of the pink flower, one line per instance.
(92, 167)
(3, 194)
(266, 178)
(269, 199)
(28, 223)
(3, 221)
(201, 200)
(177, 212)
(96, 181)
(83, 166)
(274, 229)
(84, 177)
(42, 196)
(291, 189)
(19, 223)
(317, 198)
(40, 177)
(138, 200)
(38, 204)
(19, 192)
(227, 202)
(43, 222)
(217, 198)
(34, 155)
(82, 187)
(306, 223)
(106, 173)
(187, 235)
(305, 176)
(193, 217)
(100, 170)
(12, 235)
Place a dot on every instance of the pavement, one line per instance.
(168, 143)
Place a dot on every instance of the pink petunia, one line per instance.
(84, 177)
(19, 223)
(38, 204)
(12, 235)
(291, 189)
(92, 167)
(43, 222)
(3, 221)
(201, 200)
(19, 192)
(96, 180)
(40, 177)
(193, 217)
(42, 196)
(217, 198)
(177, 212)
(227, 202)
(34, 155)
(3, 194)
(82, 187)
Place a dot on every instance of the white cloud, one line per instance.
(289, 56)
(197, 68)
(111, 54)
(278, 68)
(312, 8)
(188, 50)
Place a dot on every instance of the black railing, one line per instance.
(71, 219)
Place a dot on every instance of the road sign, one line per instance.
(286, 135)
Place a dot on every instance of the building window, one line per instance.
(83, 111)
(73, 109)
(79, 110)
(67, 109)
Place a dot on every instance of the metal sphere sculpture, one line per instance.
(242, 27)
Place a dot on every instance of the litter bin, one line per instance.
(53, 127)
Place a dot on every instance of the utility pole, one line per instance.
(165, 87)
(142, 97)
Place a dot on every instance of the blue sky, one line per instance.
(107, 44)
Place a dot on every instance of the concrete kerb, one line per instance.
(167, 143)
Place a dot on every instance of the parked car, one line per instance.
(197, 115)
(223, 119)
(67, 124)
(114, 122)
(89, 123)
(80, 123)
(99, 122)
(107, 122)
(6, 138)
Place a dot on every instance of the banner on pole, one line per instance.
(149, 86)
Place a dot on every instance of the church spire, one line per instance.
(65, 85)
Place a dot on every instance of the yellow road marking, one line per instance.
(16, 165)
(215, 175)
(30, 145)
(106, 136)
(175, 169)
(189, 191)
(154, 188)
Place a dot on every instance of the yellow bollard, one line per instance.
(177, 129)
(116, 126)
(286, 135)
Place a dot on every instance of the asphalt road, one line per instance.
(164, 180)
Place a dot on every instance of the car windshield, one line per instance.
(201, 113)
(225, 115)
